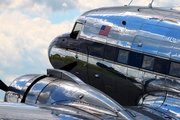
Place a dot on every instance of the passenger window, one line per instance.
(110, 53)
(122, 56)
(161, 66)
(83, 46)
(174, 69)
(135, 59)
(97, 49)
(148, 63)
(76, 30)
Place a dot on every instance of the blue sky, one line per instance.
(28, 26)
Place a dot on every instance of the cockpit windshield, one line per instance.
(76, 29)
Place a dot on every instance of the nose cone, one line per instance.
(56, 51)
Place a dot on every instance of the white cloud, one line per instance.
(20, 4)
(85, 5)
(64, 5)
(24, 42)
(44, 6)
(38, 9)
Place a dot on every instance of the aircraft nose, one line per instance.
(56, 50)
(59, 42)
(53, 43)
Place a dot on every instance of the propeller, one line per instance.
(67, 67)
(3, 86)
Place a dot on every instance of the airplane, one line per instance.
(117, 63)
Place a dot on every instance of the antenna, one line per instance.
(150, 4)
(130, 3)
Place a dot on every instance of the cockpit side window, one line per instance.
(76, 30)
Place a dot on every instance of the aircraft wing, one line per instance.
(20, 111)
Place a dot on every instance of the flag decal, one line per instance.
(104, 30)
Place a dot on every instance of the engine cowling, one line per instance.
(60, 87)
(65, 94)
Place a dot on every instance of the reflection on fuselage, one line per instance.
(122, 82)
(139, 56)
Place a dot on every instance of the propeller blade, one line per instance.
(3, 86)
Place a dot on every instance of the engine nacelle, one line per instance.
(20, 87)
(60, 87)
(64, 93)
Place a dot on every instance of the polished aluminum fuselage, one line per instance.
(117, 63)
